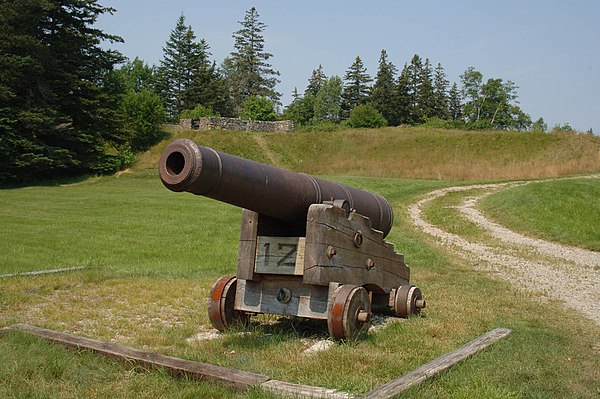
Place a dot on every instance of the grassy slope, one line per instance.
(566, 211)
(440, 154)
(412, 152)
(153, 256)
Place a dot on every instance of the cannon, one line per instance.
(308, 247)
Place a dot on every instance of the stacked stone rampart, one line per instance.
(218, 123)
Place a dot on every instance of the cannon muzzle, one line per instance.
(267, 190)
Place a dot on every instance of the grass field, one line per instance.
(566, 211)
(152, 255)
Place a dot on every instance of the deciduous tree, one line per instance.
(143, 116)
(258, 108)
(471, 81)
(539, 125)
(301, 111)
(366, 116)
(142, 109)
(137, 75)
(492, 104)
(328, 103)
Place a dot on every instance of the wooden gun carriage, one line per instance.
(308, 247)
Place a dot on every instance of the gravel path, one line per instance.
(555, 271)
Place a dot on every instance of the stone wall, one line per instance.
(216, 123)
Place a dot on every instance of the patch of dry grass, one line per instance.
(439, 154)
(408, 152)
(138, 311)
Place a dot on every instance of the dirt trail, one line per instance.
(262, 144)
(556, 271)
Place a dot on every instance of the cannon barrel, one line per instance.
(267, 190)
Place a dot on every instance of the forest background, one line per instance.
(70, 105)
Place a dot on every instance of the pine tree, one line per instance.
(425, 97)
(383, 91)
(454, 104)
(59, 103)
(185, 61)
(403, 98)
(247, 70)
(209, 89)
(412, 80)
(356, 89)
(316, 81)
(440, 93)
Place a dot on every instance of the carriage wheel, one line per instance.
(409, 301)
(221, 313)
(349, 316)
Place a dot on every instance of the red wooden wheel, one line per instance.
(221, 313)
(408, 301)
(349, 316)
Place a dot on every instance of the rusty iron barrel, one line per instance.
(270, 191)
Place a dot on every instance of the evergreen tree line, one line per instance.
(70, 107)
(191, 85)
(418, 94)
(59, 101)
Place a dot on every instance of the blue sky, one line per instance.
(550, 49)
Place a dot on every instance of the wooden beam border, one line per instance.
(436, 366)
(177, 367)
(47, 271)
(241, 380)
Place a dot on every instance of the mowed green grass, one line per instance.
(129, 223)
(565, 211)
(152, 256)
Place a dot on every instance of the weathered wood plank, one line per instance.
(243, 380)
(436, 366)
(247, 247)
(287, 389)
(48, 271)
(280, 255)
(261, 297)
(368, 261)
(177, 367)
